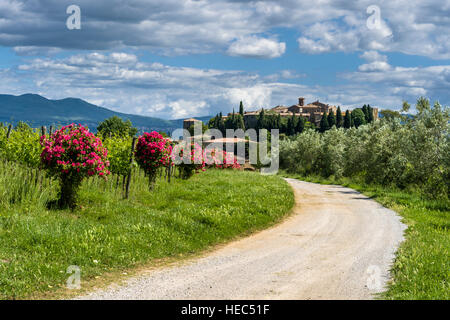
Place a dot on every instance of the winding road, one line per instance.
(337, 244)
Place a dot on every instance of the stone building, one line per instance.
(187, 123)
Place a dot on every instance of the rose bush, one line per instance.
(71, 154)
(152, 152)
(220, 159)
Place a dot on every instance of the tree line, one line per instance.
(294, 124)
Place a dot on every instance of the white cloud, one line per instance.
(374, 66)
(377, 62)
(255, 47)
(120, 81)
(183, 26)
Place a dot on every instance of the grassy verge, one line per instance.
(108, 234)
(422, 266)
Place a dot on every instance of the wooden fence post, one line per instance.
(43, 129)
(50, 130)
(127, 189)
(9, 131)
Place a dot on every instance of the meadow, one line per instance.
(107, 233)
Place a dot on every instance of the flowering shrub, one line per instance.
(220, 159)
(189, 158)
(152, 152)
(71, 154)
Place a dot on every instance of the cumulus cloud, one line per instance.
(255, 47)
(376, 62)
(183, 26)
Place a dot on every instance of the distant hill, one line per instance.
(38, 111)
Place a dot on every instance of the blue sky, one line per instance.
(183, 58)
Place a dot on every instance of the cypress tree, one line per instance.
(241, 108)
(233, 121)
(365, 110)
(331, 119)
(339, 119)
(261, 124)
(370, 110)
(324, 123)
(347, 120)
(300, 125)
(240, 122)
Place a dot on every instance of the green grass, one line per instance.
(422, 266)
(108, 234)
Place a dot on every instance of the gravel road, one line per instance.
(338, 244)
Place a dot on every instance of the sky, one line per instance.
(182, 58)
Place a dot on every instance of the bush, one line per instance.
(152, 152)
(220, 159)
(71, 154)
(189, 158)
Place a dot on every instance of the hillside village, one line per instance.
(312, 112)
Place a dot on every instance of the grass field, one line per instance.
(107, 233)
(422, 267)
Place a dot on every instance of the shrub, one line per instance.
(118, 153)
(152, 152)
(220, 159)
(71, 154)
(189, 158)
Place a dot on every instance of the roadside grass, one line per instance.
(106, 234)
(422, 266)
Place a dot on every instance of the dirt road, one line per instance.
(338, 244)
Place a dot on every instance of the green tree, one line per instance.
(241, 109)
(339, 119)
(300, 125)
(331, 119)
(390, 114)
(239, 122)
(291, 125)
(324, 123)
(370, 111)
(423, 105)
(347, 120)
(278, 122)
(366, 113)
(358, 117)
(116, 126)
(261, 123)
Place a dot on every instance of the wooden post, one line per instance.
(127, 189)
(50, 131)
(169, 171)
(9, 131)
(43, 129)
